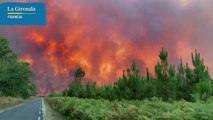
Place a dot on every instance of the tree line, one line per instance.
(15, 76)
(168, 83)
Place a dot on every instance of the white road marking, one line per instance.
(39, 118)
(17, 106)
(39, 112)
(11, 108)
(43, 109)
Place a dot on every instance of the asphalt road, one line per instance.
(28, 111)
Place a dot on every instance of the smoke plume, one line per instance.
(104, 36)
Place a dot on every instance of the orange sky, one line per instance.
(104, 36)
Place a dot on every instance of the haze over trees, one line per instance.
(169, 83)
(15, 76)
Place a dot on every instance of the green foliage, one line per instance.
(203, 90)
(163, 55)
(132, 85)
(185, 83)
(108, 92)
(166, 78)
(5, 52)
(122, 89)
(90, 90)
(76, 89)
(14, 75)
(200, 70)
(202, 82)
(55, 95)
(155, 109)
(79, 73)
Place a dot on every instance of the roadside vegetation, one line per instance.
(155, 109)
(172, 94)
(15, 76)
(50, 113)
(6, 102)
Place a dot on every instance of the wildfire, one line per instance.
(27, 59)
(104, 37)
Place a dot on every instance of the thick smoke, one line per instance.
(104, 36)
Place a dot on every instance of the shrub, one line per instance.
(91, 109)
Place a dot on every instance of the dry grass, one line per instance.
(9, 101)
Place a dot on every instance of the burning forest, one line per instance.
(104, 36)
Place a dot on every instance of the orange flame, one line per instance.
(104, 37)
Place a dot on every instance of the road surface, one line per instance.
(28, 111)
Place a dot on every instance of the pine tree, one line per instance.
(200, 70)
(76, 88)
(79, 74)
(121, 88)
(150, 85)
(166, 77)
(184, 86)
(202, 80)
(131, 85)
(90, 90)
(135, 82)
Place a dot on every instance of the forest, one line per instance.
(15, 76)
(173, 93)
(169, 83)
